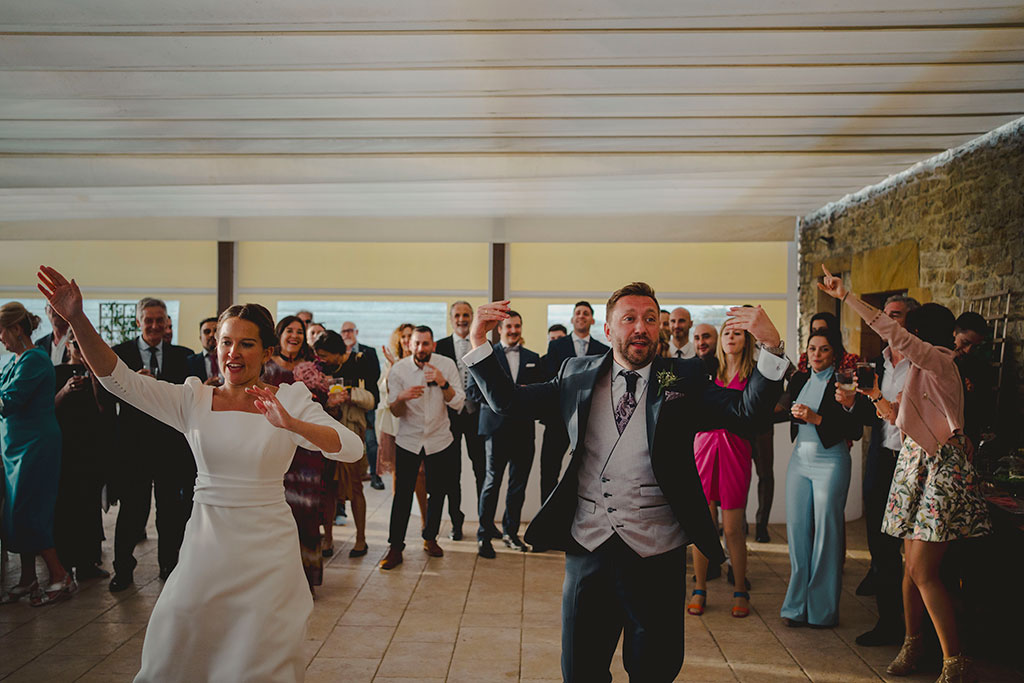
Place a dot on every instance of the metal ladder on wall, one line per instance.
(995, 309)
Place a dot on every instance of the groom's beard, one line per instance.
(637, 355)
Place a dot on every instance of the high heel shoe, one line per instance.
(697, 608)
(19, 592)
(956, 669)
(56, 592)
(907, 660)
(738, 611)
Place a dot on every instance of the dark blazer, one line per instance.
(530, 372)
(674, 415)
(195, 366)
(446, 347)
(133, 424)
(46, 344)
(836, 423)
(372, 370)
(561, 349)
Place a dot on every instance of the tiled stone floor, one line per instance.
(458, 618)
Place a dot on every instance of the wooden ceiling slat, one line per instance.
(511, 107)
(514, 81)
(494, 127)
(244, 15)
(546, 48)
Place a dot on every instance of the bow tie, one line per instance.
(512, 349)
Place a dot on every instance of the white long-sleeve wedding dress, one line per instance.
(235, 607)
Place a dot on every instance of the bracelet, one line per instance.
(876, 400)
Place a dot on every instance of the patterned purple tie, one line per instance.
(627, 404)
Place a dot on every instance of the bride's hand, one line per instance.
(832, 285)
(65, 298)
(266, 402)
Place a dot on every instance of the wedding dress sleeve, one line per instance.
(167, 402)
(300, 404)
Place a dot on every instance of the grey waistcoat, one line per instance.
(617, 490)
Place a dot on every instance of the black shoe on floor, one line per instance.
(514, 542)
(761, 534)
(91, 571)
(732, 579)
(120, 582)
(456, 534)
(494, 534)
(376, 482)
(485, 549)
(880, 635)
(867, 586)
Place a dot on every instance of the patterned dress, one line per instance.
(305, 489)
(935, 499)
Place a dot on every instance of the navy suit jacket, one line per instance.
(561, 349)
(446, 347)
(530, 372)
(691, 404)
(195, 366)
(46, 344)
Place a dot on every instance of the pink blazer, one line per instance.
(932, 408)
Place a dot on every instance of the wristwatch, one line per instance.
(447, 384)
(779, 350)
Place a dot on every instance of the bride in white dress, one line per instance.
(236, 606)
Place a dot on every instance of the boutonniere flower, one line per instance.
(666, 378)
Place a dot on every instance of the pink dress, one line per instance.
(723, 462)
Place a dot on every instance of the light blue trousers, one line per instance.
(817, 482)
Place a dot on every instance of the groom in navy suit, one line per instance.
(630, 500)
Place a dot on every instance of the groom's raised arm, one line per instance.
(502, 395)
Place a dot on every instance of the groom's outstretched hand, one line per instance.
(486, 319)
(755, 321)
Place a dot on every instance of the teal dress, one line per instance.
(30, 444)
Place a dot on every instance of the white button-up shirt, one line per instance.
(893, 381)
(687, 349)
(425, 426)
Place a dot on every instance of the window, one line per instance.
(710, 314)
(93, 312)
(375, 319)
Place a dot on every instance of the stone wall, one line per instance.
(947, 228)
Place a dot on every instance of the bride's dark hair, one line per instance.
(258, 316)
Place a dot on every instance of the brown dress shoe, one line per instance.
(432, 548)
(392, 559)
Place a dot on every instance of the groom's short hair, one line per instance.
(632, 289)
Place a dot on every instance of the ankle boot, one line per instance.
(956, 670)
(910, 654)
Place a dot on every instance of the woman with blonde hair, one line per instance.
(723, 463)
(30, 445)
(387, 424)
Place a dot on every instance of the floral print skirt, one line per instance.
(935, 498)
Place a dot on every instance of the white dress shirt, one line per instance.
(580, 344)
(512, 356)
(462, 347)
(619, 382)
(57, 348)
(687, 349)
(144, 352)
(893, 380)
(424, 426)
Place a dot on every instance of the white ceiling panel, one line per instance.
(526, 120)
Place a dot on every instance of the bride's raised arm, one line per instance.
(163, 400)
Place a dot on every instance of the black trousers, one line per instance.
(552, 452)
(464, 426)
(764, 464)
(614, 591)
(171, 476)
(514, 449)
(438, 468)
(78, 516)
(886, 561)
